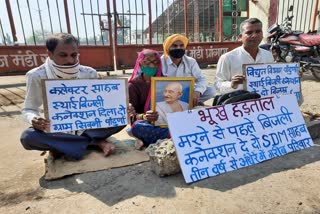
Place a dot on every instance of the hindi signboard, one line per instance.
(220, 139)
(273, 79)
(85, 103)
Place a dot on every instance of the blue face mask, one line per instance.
(148, 71)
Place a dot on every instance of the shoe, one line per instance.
(55, 154)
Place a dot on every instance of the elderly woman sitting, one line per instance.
(147, 65)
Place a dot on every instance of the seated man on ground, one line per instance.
(229, 75)
(62, 63)
(175, 63)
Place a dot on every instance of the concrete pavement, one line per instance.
(285, 184)
(12, 93)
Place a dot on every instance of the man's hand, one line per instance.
(131, 110)
(40, 123)
(236, 80)
(151, 116)
(196, 96)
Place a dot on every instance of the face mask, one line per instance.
(148, 71)
(177, 53)
(66, 71)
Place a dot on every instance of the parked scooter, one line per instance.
(294, 46)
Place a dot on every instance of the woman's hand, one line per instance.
(151, 116)
(131, 110)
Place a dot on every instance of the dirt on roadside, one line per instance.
(287, 184)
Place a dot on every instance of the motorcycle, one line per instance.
(294, 46)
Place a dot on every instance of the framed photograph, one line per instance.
(171, 94)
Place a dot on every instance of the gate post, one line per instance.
(186, 29)
(315, 15)
(273, 12)
(13, 28)
(150, 22)
(115, 36)
(66, 11)
(221, 20)
(110, 32)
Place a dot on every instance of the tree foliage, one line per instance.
(38, 38)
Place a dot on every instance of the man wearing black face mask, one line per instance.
(176, 64)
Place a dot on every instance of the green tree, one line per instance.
(38, 38)
(8, 40)
(123, 34)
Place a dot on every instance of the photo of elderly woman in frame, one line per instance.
(171, 94)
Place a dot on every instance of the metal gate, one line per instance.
(111, 32)
(304, 13)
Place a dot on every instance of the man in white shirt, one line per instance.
(63, 63)
(176, 64)
(229, 75)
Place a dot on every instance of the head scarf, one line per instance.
(170, 40)
(136, 70)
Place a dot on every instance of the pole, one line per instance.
(115, 30)
(13, 29)
(40, 17)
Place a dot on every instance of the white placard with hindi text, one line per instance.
(85, 103)
(273, 79)
(220, 139)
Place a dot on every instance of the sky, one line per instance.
(57, 10)
(139, 22)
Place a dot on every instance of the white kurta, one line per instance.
(33, 99)
(230, 64)
(187, 68)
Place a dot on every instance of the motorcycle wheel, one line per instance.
(316, 73)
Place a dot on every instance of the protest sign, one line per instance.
(273, 79)
(85, 103)
(220, 139)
